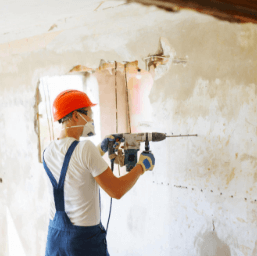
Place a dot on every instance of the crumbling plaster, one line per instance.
(186, 203)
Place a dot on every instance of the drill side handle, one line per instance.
(118, 137)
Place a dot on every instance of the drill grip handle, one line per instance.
(110, 147)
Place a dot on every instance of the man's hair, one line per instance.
(68, 117)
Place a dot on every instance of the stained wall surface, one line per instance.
(201, 198)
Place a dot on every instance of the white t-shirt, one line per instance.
(81, 191)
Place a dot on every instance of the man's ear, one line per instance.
(75, 116)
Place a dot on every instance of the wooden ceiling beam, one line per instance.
(239, 11)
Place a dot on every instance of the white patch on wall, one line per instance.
(14, 243)
(164, 58)
(15, 128)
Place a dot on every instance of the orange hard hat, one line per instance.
(68, 101)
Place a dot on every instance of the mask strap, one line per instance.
(82, 117)
(72, 126)
(76, 125)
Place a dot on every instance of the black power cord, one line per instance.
(112, 166)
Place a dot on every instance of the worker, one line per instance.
(75, 228)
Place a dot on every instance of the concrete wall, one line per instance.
(201, 197)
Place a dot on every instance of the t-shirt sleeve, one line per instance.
(92, 159)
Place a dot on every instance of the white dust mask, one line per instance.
(88, 130)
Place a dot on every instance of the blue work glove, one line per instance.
(147, 161)
(103, 146)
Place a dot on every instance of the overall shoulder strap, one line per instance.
(50, 175)
(66, 163)
(59, 188)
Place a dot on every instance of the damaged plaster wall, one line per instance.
(201, 198)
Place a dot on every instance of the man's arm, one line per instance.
(117, 187)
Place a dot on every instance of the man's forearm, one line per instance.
(127, 181)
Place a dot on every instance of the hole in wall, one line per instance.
(155, 67)
(89, 80)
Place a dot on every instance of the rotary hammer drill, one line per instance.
(132, 145)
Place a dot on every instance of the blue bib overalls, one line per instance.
(64, 238)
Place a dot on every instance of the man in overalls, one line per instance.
(75, 228)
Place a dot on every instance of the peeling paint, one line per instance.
(52, 27)
(241, 220)
(246, 157)
(231, 176)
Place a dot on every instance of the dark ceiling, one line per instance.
(240, 11)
